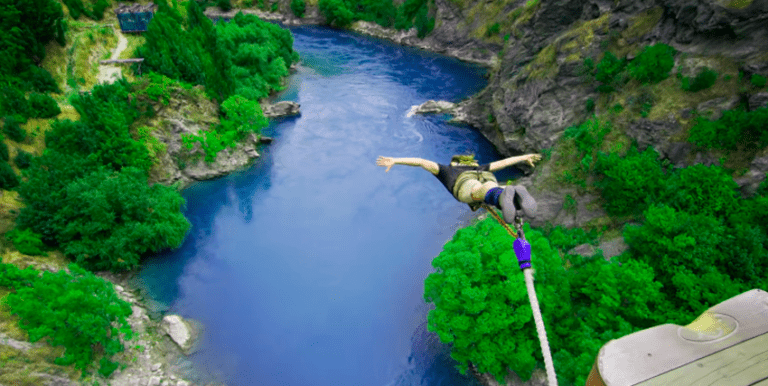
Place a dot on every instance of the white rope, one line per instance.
(542, 332)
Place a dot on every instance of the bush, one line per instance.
(79, 311)
(298, 7)
(22, 159)
(225, 5)
(40, 80)
(43, 106)
(27, 242)
(8, 178)
(703, 80)
(629, 184)
(695, 251)
(98, 9)
(493, 30)
(608, 71)
(110, 220)
(13, 102)
(653, 64)
(758, 80)
(13, 130)
(3, 150)
(735, 128)
(336, 12)
(482, 310)
(699, 189)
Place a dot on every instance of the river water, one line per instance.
(308, 268)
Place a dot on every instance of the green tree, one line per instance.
(77, 310)
(703, 80)
(298, 7)
(608, 71)
(629, 184)
(653, 64)
(336, 13)
(27, 242)
(22, 159)
(43, 106)
(13, 130)
(8, 178)
(110, 220)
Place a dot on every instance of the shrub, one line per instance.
(482, 310)
(98, 9)
(694, 250)
(590, 106)
(22, 159)
(758, 80)
(110, 220)
(27, 242)
(8, 178)
(699, 189)
(40, 80)
(735, 128)
(629, 184)
(43, 106)
(493, 30)
(608, 71)
(653, 64)
(298, 7)
(336, 12)
(225, 5)
(703, 80)
(13, 130)
(13, 102)
(79, 311)
(588, 136)
(3, 150)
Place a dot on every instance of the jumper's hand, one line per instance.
(388, 162)
(533, 158)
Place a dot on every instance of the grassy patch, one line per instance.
(643, 23)
(545, 64)
(738, 4)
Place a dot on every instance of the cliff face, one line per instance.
(538, 90)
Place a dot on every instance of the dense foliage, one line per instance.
(653, 64)
(22, 159)
(608, 71)
(298, 7)
(410, 13)
(77, 310)
(241, 118)
(736, 128)
(703, 80)
(13, 130)
(481, 306)
(88, 191)
(8, 178)
(27, 242)
(245, 56)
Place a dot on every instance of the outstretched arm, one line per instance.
(428, 165)
(529, 158)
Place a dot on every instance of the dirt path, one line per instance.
(109, 73)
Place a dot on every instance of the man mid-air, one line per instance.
(475, 184)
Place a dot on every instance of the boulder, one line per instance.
(583, 250)
(433, 107)
(749, 182)
(183, 332)
(280, 109)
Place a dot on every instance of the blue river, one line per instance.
(308, 267)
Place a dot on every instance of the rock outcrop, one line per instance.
(184, 333)
(280, 109)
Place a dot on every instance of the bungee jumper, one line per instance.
(475, 185)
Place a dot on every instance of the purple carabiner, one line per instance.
(523, 252)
